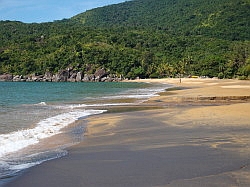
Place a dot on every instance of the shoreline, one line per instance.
(183, 139)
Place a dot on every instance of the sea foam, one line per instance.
(18, 140)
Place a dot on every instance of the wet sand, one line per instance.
(195, 135)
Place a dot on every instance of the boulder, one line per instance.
(104, 79)
(88, 78)
(99, 74)
(6, 77)
(79, 77)
(47, 77)
(36, 78)
(61, 76)
(55, 78)
(17, 78)
(72, 78)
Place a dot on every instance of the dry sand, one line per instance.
(199, 137)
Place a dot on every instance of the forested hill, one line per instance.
(145, 38)
(227, 19)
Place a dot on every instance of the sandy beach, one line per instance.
(195, 134)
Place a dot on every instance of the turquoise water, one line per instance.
(38, 120)
(16, 93)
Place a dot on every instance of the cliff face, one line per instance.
(64, 76)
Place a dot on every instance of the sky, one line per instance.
(37, 11)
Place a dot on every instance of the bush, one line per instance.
(154, 75)
(221, 75)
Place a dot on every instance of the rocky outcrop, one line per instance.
(6, 77)
(99, 74)
(68, 75)
(72, 77)
(19, 78)
(63, 76)
(79, 77)
(48, 77)
(88, 78)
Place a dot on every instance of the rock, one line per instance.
(72, 78)
(17, 78)
(47, 77)
(6, 77)
(79, 77)
(99, 74)
(120, 78)
(104, 79)
(29, 79)
(61, 76)
(34, 78)
(37, 78)
(55, 78)
(67, 75)
(88, 78)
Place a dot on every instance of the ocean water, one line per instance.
(39, 120)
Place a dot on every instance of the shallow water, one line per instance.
(39, 120)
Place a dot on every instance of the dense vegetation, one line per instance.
(145, 38)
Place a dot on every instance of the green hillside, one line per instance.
(145, 38)
(226, 19)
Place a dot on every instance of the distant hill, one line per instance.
(145, 38)
(227, 19)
